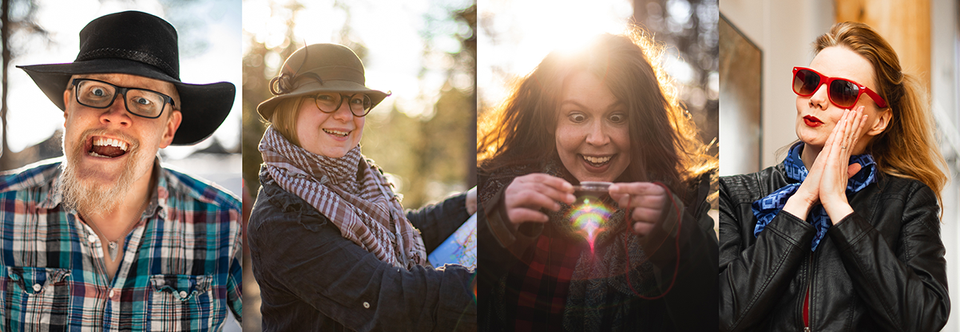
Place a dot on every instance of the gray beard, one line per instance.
(93, 199)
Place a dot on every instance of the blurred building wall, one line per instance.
(784, 31)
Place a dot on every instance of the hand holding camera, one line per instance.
(644, 201)
(527, 195)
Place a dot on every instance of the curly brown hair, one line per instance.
(669, 149)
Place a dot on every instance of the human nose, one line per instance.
(116, 113)
(343, 113)
(596, 135)
(820, 98)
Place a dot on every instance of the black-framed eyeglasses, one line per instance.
(140, 102)
(329, 102)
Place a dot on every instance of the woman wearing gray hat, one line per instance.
(331, 246)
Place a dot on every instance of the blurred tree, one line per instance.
(469, 56)
(690, 26)
(255, 89)
(22, 22)
(439, 145)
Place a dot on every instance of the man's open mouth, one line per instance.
(597, 161)
(103, 147)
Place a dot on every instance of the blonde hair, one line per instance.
(907, 147)
(284, 118)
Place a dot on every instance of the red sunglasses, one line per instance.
(842, 92)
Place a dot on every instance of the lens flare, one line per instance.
(589, 216)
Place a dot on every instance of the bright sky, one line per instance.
(515, 35)
(33, 118)
(394, 57)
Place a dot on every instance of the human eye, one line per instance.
(94, 90)
(617, 118)
(360, 100)
(325, 97)
(143, 98)
(142, 101)
(576, 117)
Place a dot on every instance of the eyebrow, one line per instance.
(577, 103)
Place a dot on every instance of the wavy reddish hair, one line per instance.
(521, 131)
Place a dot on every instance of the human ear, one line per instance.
(66, 98)
(170, 129)
(880, 122)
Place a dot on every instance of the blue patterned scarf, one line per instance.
(768, 207)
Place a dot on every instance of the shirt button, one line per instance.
(111, 293)
(37, 287)
(92, 238)
(183, 294)
(366, 305)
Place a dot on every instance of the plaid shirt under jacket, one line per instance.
(180, 269)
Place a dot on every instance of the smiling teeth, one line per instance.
(110, 142)
(336, 132)
(597, 160)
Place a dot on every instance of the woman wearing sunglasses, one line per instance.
(844, 233)
(332, 249)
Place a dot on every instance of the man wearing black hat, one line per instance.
(106, 238)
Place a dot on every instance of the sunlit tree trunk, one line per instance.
(5, 54)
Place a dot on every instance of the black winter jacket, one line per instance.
(879, 269)
(313, 279)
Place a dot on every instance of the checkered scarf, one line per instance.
(351, 193)
(768, 207)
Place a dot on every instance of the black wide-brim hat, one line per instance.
(319, 68)
(141, 44)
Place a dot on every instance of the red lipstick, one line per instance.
(812, 121)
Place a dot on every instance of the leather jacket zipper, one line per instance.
(809, 288)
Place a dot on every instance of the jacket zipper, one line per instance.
(809, 287)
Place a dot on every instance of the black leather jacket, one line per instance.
(879, 269)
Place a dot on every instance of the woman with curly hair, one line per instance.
(641, 255)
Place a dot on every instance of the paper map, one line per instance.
(459, 248)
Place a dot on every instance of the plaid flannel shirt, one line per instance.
(180, 269)
(544, 281)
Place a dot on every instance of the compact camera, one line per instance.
(591, 192)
